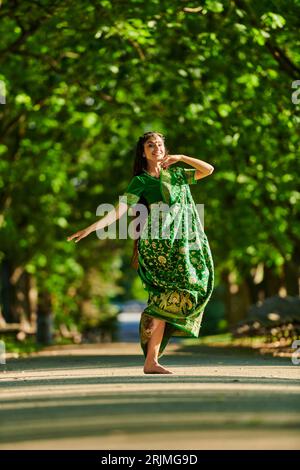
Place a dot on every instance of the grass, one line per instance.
(28, 345)
(226, 340)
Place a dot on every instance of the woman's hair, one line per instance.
(140, 164)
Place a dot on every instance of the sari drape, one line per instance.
(174, 258)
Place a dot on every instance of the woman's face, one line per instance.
(154, 148)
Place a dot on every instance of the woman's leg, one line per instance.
(151, 365)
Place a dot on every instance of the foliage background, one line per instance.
(83, 80)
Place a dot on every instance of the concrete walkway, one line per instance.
(97, 397)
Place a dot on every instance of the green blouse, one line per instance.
(150, 187)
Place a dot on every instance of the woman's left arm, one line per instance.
(203, 168)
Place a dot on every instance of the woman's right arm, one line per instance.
(110, 218)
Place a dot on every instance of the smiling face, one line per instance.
(154, 149)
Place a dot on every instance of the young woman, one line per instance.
(174, 260)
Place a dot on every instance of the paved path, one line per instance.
(97, 397)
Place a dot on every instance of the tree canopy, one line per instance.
(84, 79)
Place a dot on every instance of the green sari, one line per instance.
(174, 258)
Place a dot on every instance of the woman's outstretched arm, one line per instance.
(110, 218)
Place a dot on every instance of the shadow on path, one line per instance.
(102, 393)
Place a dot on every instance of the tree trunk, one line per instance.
(32, 299)
(7, 293)
(44, 332)
(226, 294)
(237, 299)
(292, 277)
(239, 303)
(272, 282)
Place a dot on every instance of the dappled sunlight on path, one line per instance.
(97, 396)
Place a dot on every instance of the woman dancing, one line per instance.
(172, 254)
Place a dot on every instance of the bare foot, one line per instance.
(155, 368)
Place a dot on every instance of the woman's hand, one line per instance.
(170, 159)
(79, 235)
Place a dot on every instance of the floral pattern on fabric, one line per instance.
(177, 270)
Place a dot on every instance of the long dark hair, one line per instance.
(140, 164)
